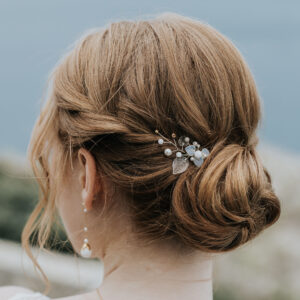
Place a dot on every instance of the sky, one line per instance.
(34, 34)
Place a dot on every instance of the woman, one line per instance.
(146, 148)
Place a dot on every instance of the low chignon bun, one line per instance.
(227, 202)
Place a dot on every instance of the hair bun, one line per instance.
(227, 202)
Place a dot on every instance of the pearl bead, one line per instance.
(85, 241)
(85, 210)
(186, 139)
(198, 154)
(168, 152)
(85, 229)
(160, 141)
(191, 158)
(195, 143)
(86, 250)
(178, 154)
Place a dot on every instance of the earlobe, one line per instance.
(90, 185)
(84, 196)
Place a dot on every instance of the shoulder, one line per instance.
(7, 292)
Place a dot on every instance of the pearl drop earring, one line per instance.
(86, 250)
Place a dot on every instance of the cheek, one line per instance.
(71, 212)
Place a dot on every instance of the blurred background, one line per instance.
(33, 36)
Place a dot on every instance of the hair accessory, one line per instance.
(185, 152)
(86, 248)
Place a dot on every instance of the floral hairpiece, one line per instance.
(185, 152)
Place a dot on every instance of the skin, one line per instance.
(133, 270)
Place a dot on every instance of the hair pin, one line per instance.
(184, 152)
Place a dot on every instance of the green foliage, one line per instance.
(224, 294)
(18, 196)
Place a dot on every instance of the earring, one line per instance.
(86, 248)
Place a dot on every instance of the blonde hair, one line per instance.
(175, 74)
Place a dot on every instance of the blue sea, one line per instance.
(34, 34)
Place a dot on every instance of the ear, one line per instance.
(88, 178)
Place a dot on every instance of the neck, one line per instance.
(157, 271)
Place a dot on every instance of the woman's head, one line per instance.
(108, 96)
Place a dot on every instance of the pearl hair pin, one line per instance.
(185, 152)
